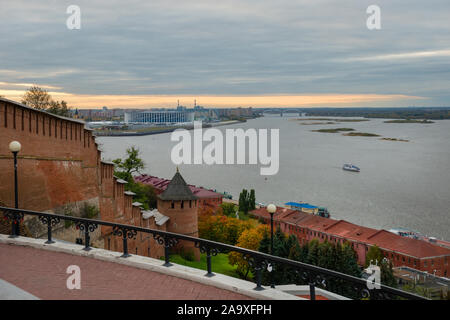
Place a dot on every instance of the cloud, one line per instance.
(11, 84)
(403, 56)
(281, 100)
(228, 48)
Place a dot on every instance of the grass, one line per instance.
(408, 121)
(361, 134)
(219, 263)
(336, 130)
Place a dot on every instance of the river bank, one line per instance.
(158, 130)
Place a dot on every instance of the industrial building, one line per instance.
(161, 116)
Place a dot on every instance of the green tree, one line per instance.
(132, 164)
(313, 252)
(387, 273)
(374, 255)
(145, 194)
(264, 245)
(325, 254)
(243, 201)
(59, 108)
(247, 201)
(349, 263)
(228, 209)
(251, 200)
(124, 169)
(285, 247)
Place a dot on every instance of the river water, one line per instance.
(401, 184)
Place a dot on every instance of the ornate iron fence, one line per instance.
(312, 275)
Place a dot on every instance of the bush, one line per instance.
(89, 211)
(68, 223)
(228, 209)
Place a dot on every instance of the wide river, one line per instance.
(401, 184)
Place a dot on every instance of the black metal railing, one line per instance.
(312, 275)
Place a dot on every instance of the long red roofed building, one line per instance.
(402, 251)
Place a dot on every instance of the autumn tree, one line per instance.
(37, 98)
(40, 99)
(249, 239)
(221, 228)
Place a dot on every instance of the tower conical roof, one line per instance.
(177, 189)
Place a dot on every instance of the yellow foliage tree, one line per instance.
(222, 228)
(248, 239)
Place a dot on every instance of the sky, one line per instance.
(228, 53)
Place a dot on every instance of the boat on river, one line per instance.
(351, 167)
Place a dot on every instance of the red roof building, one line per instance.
(207, 198)
(402, 251)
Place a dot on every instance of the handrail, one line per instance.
(315, 276)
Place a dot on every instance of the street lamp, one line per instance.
(15, 147)
(271, 208)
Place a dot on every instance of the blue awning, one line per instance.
(301, 205)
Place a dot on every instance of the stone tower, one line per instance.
(180, 205)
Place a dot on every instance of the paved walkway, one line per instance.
(43, 274)
(11, 292)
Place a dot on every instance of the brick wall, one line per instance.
(60, 167)
(58, 162)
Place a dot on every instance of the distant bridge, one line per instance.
(282, 111)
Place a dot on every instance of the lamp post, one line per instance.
(15, 147)
(271, 208)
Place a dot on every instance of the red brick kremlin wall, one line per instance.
(59, 165)
(58, 162)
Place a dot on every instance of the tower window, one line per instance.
(182, 204)
(172, 205)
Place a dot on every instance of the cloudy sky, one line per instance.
(228, 53)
